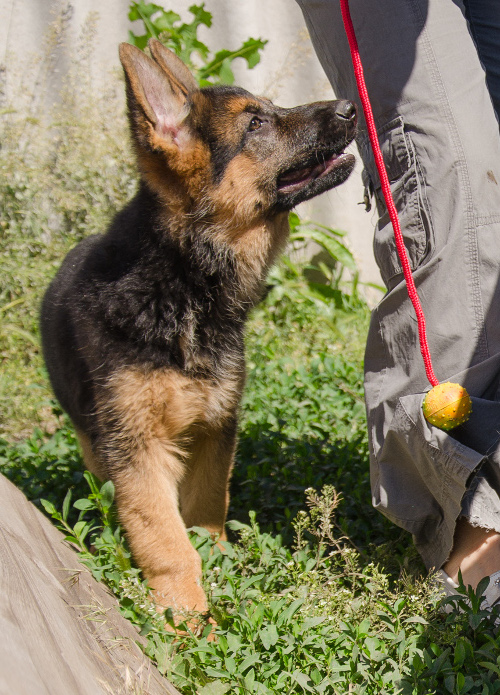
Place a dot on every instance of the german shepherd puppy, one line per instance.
(143, 326)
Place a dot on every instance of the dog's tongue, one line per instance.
(297, 176)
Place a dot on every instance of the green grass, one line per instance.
(315, 592)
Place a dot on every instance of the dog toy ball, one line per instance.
(447, 405)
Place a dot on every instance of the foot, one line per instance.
(476, 553)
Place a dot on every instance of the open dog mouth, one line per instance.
(295, 179)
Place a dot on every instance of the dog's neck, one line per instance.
(198, 284)
(249, 245)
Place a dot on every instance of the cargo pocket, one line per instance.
(408, 190)
(419, 479)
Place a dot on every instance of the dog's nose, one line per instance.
(346, 110)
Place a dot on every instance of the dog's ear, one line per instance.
(173, 66)
(155, 93)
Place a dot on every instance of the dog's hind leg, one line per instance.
(90, 460)
(203, 492)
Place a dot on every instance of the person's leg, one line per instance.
(476, 553)
(476, 550)
(484, 21)
(440, 140)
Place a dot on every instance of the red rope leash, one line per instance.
(386, 190)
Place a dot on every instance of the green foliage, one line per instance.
(64, 172)
(333, 603)
(325, 272)
(315, 619)
(109, 559)
(182, 38)
(44, 465)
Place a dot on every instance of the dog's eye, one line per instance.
(255, 123)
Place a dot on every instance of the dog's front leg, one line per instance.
(147, 501)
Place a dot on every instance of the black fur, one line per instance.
(126, 297)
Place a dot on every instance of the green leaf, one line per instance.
(303, 680)
(66, 503)
(249, 681)
(289, 612)
(482, 586)
(139, 41)
(214, 688)
(225, 73)
(249, 661)
(326, 239)
(107, 493)
(141, 10)
(220, 64)
(460, 653)
(269, 636)
(215, 672)
(490, 666)
(233, 642)
(416, 619)
(237, 525)
(49, 507)
(475, 619)
(201, 15)
(84, 504)
(230, 665)
(166, 20)
(310, 623)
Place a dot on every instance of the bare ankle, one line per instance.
(476, 553)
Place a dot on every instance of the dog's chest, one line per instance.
(166, 403)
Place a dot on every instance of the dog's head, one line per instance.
(241, 155)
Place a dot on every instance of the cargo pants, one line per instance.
(432, 69)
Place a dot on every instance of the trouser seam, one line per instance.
(481, 350)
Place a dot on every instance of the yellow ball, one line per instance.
(447, 405)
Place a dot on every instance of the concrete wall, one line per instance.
(289, 72)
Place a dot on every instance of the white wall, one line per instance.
(289, 73)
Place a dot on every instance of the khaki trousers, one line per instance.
(440, 139)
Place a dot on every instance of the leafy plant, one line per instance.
(335, 601)
(182, 38)
(330, 266)
(313, 620)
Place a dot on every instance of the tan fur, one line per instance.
(165, 403)
(169, 183)
(89, 457)
(225, 129)
(256, 249)
(237, 199)
(237, 222)
(168, 431)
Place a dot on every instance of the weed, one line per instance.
(182, 38)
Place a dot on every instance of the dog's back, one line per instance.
(143, 326)
(67, 369)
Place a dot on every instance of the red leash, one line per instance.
(386, 190)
